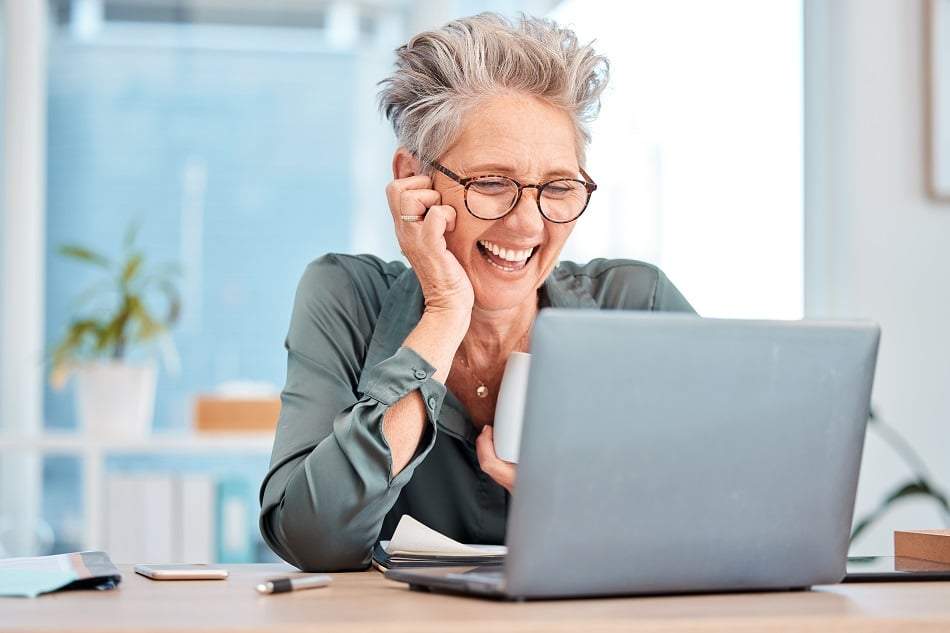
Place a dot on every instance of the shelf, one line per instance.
(94, 451)
(157, 443)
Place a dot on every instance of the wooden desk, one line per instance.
(365, 601)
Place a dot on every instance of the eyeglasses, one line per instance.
(493, 197)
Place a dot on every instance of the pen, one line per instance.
(283, 585)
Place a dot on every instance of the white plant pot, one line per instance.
(115, 398)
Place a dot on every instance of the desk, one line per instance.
(365, 601)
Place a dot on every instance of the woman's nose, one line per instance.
(526, 217)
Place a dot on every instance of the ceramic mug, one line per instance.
(509, 410)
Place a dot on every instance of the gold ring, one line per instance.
(412, 218)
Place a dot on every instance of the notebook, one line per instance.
(415, 544)
(667, 453)
(31, 576)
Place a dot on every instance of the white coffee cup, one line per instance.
(509, 410)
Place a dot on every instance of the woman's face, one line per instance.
(532, 142)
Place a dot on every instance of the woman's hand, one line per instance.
(501, 471)
(445, 285)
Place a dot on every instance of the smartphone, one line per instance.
(195, 571)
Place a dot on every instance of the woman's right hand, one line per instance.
(445, 284)
(446, 288)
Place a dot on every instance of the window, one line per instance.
(233, 146)
(698, 150)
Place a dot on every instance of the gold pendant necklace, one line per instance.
(481, 390)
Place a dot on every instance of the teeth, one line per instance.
(507, 254)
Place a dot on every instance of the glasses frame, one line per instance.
(589, 185)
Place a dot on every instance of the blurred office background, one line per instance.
(769, 156)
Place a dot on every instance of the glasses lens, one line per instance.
(563, 200)
(491, 197)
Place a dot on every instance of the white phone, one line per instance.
(190, 571)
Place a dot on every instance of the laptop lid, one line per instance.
(667, 453)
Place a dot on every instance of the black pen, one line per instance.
(283, 585)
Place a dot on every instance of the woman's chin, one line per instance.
(500, 289)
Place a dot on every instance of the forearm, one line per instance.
(436, 338)
(322, 506)
(334, 500)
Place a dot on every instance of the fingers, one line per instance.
(411, 196)
(449, 217)
(501, 471)
(412, 199)
(412, 202)
(421, 225)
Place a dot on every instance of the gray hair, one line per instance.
(441, 75)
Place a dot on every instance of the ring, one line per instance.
(412, 218)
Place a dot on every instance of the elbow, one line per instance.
(313, 548)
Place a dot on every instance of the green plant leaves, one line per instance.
(118, 312)
(85, 255)
(908, 489)
(131, 268)
(919, 486)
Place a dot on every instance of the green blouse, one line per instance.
(329, 494)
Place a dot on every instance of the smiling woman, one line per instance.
(488, 183)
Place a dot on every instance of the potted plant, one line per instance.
(113, 317)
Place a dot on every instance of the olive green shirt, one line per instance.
(329, 495)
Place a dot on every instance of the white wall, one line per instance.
(876, 245)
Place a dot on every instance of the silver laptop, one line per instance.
(668, 453)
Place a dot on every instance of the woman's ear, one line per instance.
(405, 164)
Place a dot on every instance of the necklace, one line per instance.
(482, 390)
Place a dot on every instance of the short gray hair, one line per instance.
(441, 75)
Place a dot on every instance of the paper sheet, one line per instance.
(413, 537)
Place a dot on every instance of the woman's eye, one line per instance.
(559, 189)
(491, 186)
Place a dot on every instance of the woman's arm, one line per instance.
(331, 479)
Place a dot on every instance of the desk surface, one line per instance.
(366, 601)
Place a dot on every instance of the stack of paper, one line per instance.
(416, 545)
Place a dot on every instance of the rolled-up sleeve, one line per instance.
(330, 481)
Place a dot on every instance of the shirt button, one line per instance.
(431, 402)
(419, 374)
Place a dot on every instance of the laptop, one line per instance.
(665, 453)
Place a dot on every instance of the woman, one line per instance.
(393, 372)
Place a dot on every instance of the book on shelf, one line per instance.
(160, 517)
(414, 544)
(235, 517)
(196, 527)
(140, 516)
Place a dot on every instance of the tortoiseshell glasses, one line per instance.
(492, 197)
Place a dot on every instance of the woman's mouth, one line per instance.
(507, 259)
